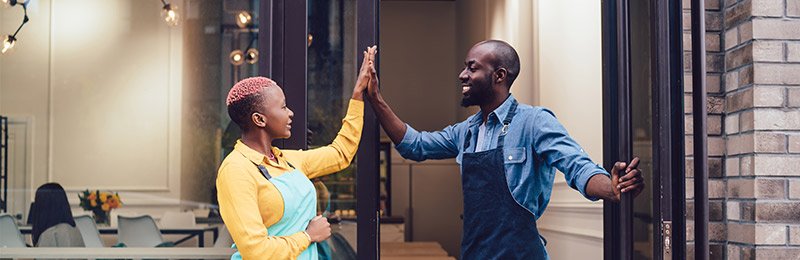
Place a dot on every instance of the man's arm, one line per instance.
(394, 127)
(600, 186)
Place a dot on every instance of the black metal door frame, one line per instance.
(282, 40)
(667, 113)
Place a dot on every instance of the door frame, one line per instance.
(282, 40)
(668, 124)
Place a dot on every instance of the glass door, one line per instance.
(314, 48)
(643, 110)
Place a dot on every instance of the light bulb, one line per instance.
(170, 14)
(8, 43)
(5, 3)
(243, 18)
(251, 56)
(237, 57)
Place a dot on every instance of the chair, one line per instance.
(9, 232)
(224, 239)
(178, 219)
(89, 232)
(61, 235)
(140, 231)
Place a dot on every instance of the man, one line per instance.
(508, 154)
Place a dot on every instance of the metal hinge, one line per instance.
(666, 236)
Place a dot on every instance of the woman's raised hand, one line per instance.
(364, 74)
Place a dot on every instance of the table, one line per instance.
(404, 250)
(191, 231)
(117, 253)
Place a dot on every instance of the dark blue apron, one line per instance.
(495, 225)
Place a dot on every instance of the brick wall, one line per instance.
(754, 128)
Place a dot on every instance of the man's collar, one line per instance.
(501, 112)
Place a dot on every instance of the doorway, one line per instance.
(643, 101)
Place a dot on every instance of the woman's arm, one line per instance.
(339, 154)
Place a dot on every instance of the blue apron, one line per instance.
(299, 207)
(495, 225)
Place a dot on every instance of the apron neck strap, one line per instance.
(507, 121)
(511, 112)
(264, 171)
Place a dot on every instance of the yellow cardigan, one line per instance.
(249, 203)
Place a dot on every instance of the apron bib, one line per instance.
(495, 225)
(299, 207)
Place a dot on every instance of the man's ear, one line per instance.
(258, 119)
(500, 75)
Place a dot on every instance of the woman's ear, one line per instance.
(501, 75)
(259, 119)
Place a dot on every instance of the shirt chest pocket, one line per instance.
(514, 155)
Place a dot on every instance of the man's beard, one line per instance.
(472, 100)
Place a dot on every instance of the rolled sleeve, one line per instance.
(420, 146)
(587, 173)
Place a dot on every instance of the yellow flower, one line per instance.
(94, 203)
(104, 196)
(106, 207)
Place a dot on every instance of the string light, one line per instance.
(243, 19)
(8, 43)
(10, 40)
(237, 57)
(170, 14)
(252, 56)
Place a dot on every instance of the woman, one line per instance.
(265, 196)
(51, 208)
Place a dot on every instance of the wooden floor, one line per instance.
(413, 251)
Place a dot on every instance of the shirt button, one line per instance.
(509, 158)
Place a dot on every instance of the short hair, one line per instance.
(506, 57)
(50, 208)
(245, 98)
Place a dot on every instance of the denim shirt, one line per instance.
(535, 146)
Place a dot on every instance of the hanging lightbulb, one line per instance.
(237, 57)
(170, 14)
(5, 3)
(251, 56)
(243, 18)
(8, 43)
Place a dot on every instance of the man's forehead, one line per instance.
(479, 54)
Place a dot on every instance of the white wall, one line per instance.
(570, 83)
(100, 84)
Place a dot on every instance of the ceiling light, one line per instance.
(237, 57)
(252, 56)
(170, 14)
(243, 19)
(8, 43)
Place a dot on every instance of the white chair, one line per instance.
(9, 232)
(61, 235)
(89, 231)
(178, 219)
(224, 239)
(140, 231)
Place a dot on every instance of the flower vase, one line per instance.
(101, 217)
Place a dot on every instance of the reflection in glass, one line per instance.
(642, 126)
(243, 19)
(237, 57)
(331, 76)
